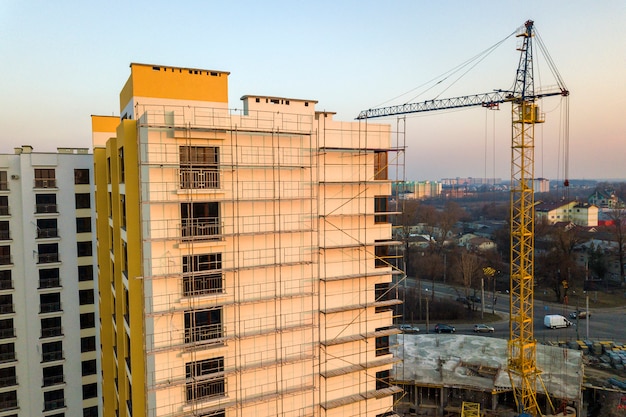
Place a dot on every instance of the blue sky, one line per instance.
(63, 61)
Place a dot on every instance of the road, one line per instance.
(604, 324)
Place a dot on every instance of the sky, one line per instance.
(63, 61)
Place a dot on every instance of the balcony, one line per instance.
(6, 284)
(47, 233)
(5, 260)
(5, 235)
(199, 178)
(47, 258)
(46, 208)
(45, 183)
(4, 210)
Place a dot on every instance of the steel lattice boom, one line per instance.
(522, 347)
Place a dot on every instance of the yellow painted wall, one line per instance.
(157, 81)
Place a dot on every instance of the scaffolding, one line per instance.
(268, 262)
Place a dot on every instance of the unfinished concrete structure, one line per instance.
(439, 372)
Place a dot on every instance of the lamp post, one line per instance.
(488, 272)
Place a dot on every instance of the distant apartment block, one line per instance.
(49, 364)
(417, 189)
(244, 256)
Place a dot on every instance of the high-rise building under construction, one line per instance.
(244, 256)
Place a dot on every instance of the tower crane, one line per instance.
(522, 363)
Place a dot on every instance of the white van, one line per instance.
(556, 321)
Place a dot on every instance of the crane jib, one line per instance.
(485, 100)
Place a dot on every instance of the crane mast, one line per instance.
(522, 362)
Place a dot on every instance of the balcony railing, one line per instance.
(50, 307)
(7, 356)
(54, 404)
(205, 389)
(7, 308)
(55, 355)
(8, 404)
(5, 260)
(4, 210)
(212, 283)
(6, 284)
(49, 282)
(46, 208)
(7, 333)
(199, 178)
(206, 228)
(5, 235)
(52, 331)
(203, 333)
(53, 380)
(46, 258)
(8, 381)
(45, 183)
(4, 185)
(45, 233)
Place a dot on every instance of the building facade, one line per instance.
(581, 214)
(244, 256)
(49, 364)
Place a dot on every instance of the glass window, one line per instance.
(4, 184)
(88, 344)
(45, 203)
(85, 273)
(84, 248)
(45, 178)
(81, 176)
(89, 367)
(83, 224)
(83, 200)
(85, 297)
(87, 320)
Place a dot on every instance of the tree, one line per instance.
(618, 229)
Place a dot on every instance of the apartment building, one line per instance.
(244, 256)
(49, 364)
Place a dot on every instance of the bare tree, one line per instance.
(618, 229)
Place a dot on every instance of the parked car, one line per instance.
(579, 314)
(444, 328)
(407, 328)
(483, 328)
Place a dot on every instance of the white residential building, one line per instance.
(49, 364)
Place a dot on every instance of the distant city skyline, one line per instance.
(63, 59)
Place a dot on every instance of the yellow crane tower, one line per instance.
(522, 363)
